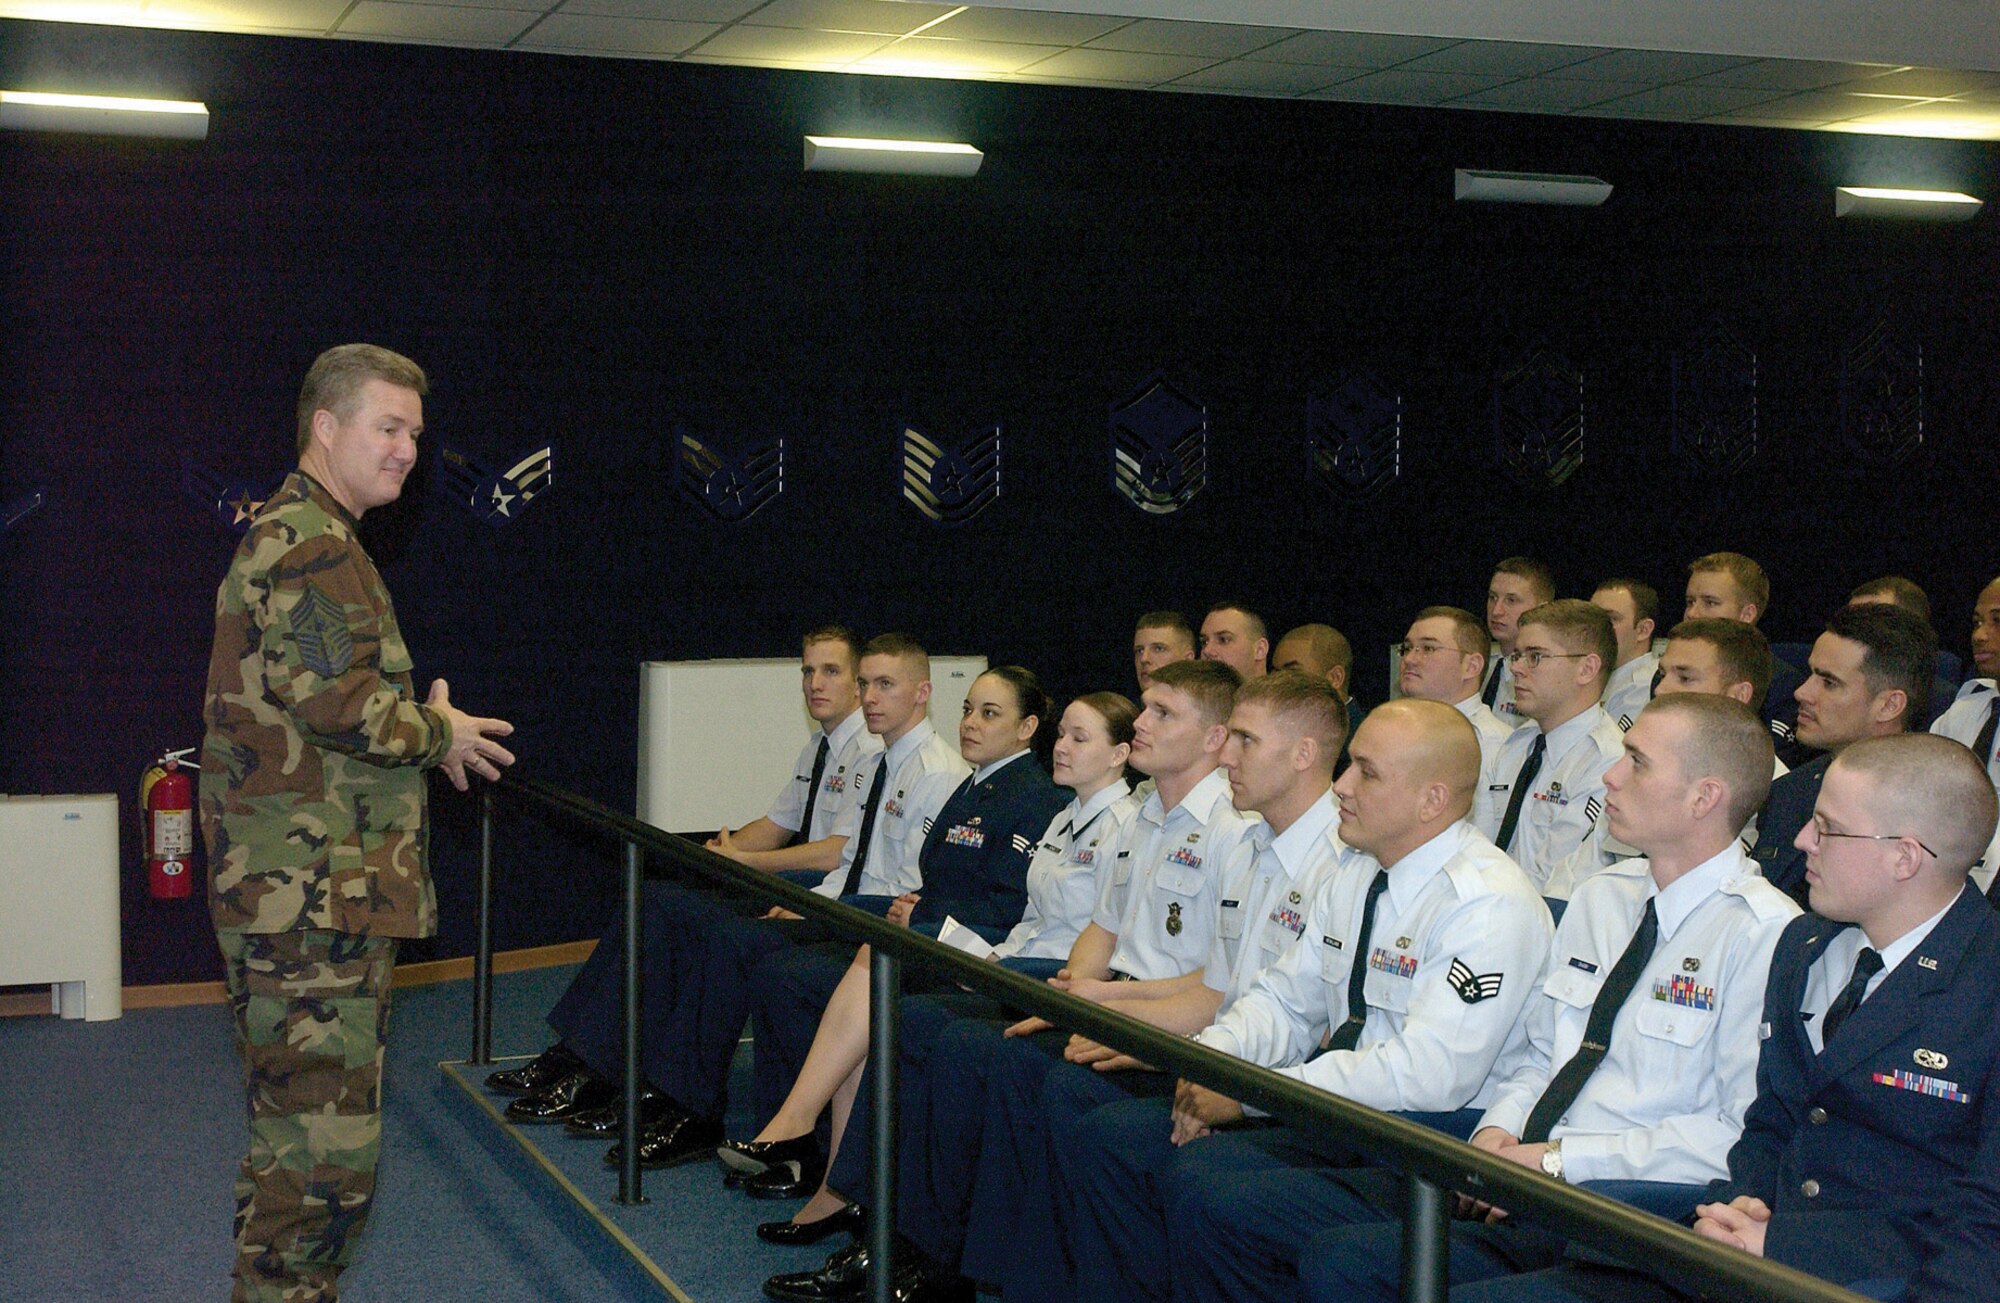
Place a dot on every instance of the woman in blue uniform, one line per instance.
(1090, 752)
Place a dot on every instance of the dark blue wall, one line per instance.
(589, 251)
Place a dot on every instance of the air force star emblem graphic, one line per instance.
(951, 485)
(1159, 448)
(496, 499)
(730, 488)
(235, 503)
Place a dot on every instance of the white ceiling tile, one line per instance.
(1547, 95)
(1813, 106)
(456, 24)
(251, 15)
(1399, 87)
(683, 11)
(1117, 66)
(1687, 102)
(1927, 82)
(893, 17)
(1501, 59)
(1025, 27)
(923, 56)
(1790, 74)
(1649, 67)
(1196, 40)
(1245, 77)
(1966, 121)
(568, 31)
(787, 46)
(1351, 49)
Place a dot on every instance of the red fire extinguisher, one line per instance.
(166, 804)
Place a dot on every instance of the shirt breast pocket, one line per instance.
(1573, 987)
(1671, 1025)
(1230, 921)
(1121, 869)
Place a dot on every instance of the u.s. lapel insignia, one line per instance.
(1931, 1059)
(1692, 964)
(1174, 924)
(1925, 961)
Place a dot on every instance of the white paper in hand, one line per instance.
(960, 937)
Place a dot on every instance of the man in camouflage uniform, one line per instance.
(313, 807)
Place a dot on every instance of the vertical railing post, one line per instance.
(1426, 1232)
(629, 1190)
(482, 954)
(884, 991)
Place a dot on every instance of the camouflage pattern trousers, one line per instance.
(311, 1011)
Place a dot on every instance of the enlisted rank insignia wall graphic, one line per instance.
(496, 499)
(1714, 403)
(234, 502)
(1882, 395)
(21, 508)
(730, 488)
(1159, 447)
(1538, 418)
(1354, 435)
(951, 485)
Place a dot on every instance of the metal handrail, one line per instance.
(1434, 1162)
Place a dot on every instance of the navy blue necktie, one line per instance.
(867, 827)
(1522, 782)
(1568, 1083)
(812, 796)
(1866, 965)
(1348, 1033)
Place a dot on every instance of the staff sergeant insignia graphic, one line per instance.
(730, 488)
(234, 503)
(951, 485)
(1354, 435)
(496, 499)
(21, 508)
(1159, 447)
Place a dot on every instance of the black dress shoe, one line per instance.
(849, 1217)
(577, 1093)
(537, 1074)
(753, 1156)
(843, 1276)
(795, 1178)
(679, 1139)
(654, 1108)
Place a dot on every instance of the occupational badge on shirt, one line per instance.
(963, 834)
(1592, 809)
(1685, 992)
(1402, 943)
(1935, 1087)
(1193, 837)
(1384, 960)
(1295, 898)
(1174, 923)
(1692, 964)
(1931, 1059)
(1472, 987)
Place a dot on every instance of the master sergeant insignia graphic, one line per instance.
(1159, 447)
(1354, 435)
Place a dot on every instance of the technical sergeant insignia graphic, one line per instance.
(496, 499)
(1354, 435)
(951, 485)
(730, 488)
(235, 503)
(1159, 447)
(21, 508)
(1538, 419)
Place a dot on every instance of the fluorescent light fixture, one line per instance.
(103, 115)
(1529, 188)
(903, 157)
(1917, 205)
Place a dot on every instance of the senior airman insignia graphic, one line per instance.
(1159, 447)
(233, 502)
(1354, 435)
(730, 488)
(497, 499)
(1538, 418)
(1174, 919)
(21, 508)
(950, 486)
(1931, 1059)
(1714, 403)
(1882, 394)
(1472, 987)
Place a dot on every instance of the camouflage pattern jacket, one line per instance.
(312, 770)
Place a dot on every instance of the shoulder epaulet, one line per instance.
(1764, 900)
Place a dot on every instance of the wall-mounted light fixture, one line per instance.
(103, 115)
(1911, 205)
(902, 157)
(1528, 188)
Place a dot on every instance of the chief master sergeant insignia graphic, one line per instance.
(951, 485)
(496, 499)
(729, 488)
(1159, 448)
(1472, 987)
